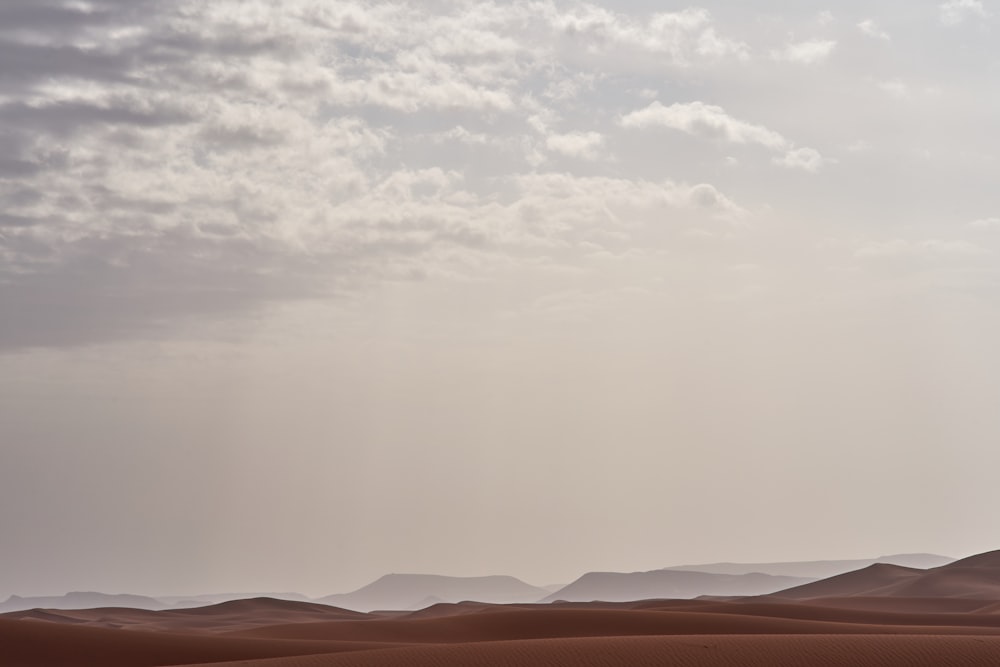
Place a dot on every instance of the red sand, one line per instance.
(725, 651)
(751, 632)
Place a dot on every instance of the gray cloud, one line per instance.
(65, 118)
(212, 139)
(272, 151)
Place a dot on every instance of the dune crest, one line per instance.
(877, 616)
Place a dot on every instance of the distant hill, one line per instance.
(416, 591)
(225, 617)
(204, 599)
(817, 569)
(976, 577)
(625, 587)
(81, 600)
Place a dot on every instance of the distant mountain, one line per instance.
(976, 577)
(81, 600)
(817, 569)
(416, 591)
(625, 587)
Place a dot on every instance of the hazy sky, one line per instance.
(294, 294)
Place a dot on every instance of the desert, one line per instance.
(878, 615)
(499, 333)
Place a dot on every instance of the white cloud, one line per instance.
(563, 208)
(872, 29)
(584, 145)
(807, 159)
(704, 120)
(806, 53)
(954, 12)
(712, 122)
(684, 36)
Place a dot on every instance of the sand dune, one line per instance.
(726, 651)
(976, 577)
(858, 582)
(748, 632)
(32, 644)
(938, 617)
(226, 616)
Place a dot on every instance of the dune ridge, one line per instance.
(883, 614)
(726, 651)
(976, 577)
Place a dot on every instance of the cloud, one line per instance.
(704, 120)
(955, 12)
(684, 36)
(712, 122)
(806, 53)
(583, 145)
(807, 159)
(226, 155)
(560, 208)
(872, 29)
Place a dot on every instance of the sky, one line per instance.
(295, 294)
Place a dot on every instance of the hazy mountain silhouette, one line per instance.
(415, 591)
(976, 577)
(624, 587)
(817, 569)
(81, 600)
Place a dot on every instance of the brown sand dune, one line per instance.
(905, 605)
(32, 644)
(225, 616)
(858, 582)
(557, 623)
(256, 605)
(858, 614)
(976, 577)
(750, 633)
(880, 615)
(971, 583)
(986, 560)
(679, 651)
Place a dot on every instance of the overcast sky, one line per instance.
(294, 294)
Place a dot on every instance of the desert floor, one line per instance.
(759, 631)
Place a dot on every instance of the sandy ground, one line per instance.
(760, 631)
